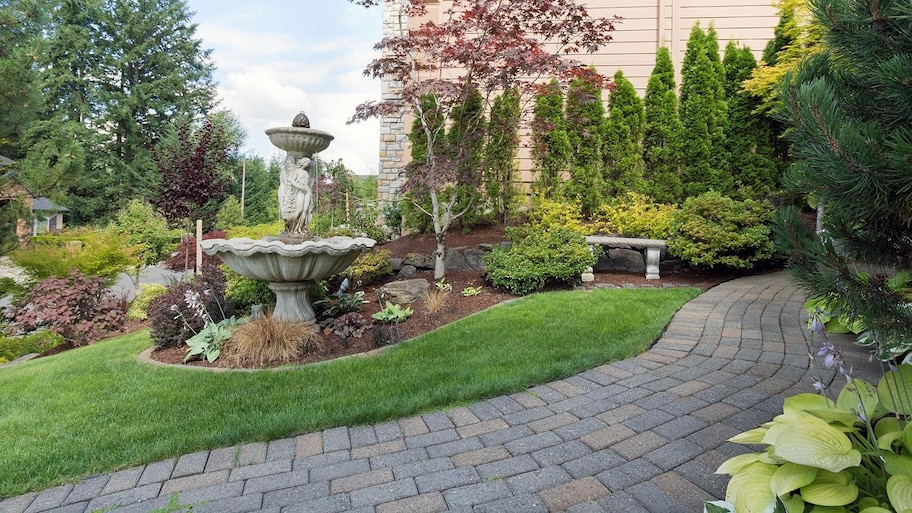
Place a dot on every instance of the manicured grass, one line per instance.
(98, 408)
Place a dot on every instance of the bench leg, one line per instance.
(653, 255)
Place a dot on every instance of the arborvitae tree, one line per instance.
(748, 143)
(465, 142)
(662, 133)
(585, 116)
(261, 204)
(849, 114)
(500, 154)
(550, 143)
(703, 115)
(623, 137)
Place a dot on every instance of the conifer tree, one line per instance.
(662, 133)
(585, 116)
(464, 147)
(703, 115)
(623, 138)
(748, 143)
(550, 143)
(849, 114)
(500, 154)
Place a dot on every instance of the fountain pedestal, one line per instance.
(293, 300)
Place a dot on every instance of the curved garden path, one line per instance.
(640, 435)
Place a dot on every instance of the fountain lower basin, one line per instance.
(290, 269)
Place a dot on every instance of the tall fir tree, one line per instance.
(849, 114)
(749, 142)
(585, 115)
(703, 116)
(550, 143)
(501, 145)
(22, 27)
(623, 140)
(662, 133)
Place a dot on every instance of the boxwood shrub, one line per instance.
(537, 258)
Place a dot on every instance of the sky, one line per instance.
(275, 58)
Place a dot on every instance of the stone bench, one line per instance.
(653, 247)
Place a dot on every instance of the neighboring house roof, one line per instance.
(43, 204)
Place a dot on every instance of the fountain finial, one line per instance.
(301, 121)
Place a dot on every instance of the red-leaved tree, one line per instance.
(489, 46)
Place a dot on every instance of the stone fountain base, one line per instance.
(293, 300)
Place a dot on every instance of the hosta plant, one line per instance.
(850, 455)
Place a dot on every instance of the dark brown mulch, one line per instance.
(457, 306)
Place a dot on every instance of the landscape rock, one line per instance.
(419, 260)
(405, 291)
(626, 260)
(407, 271)
(672, 265)
(395, 264)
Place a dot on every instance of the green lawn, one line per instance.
(97, 408)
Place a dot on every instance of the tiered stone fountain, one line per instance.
(295, 260)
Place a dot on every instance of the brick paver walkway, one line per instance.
(640, 435)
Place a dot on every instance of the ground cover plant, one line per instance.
(116, 411)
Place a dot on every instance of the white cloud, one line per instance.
(273, 61)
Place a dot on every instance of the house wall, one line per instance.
(646, 25)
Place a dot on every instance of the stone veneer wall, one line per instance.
(393, 132)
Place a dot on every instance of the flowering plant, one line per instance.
(851, 454)
(208, 341)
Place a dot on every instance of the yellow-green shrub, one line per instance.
(139, 307)
(635, 215)
(37, 342)
(256, 231)
(547, 214)
(102, 253)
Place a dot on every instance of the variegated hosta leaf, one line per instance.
(793, 503)
(907, 436)
(858, 396)
(875, 509)
(736, 464)
(897, 464)
(885, 442)
(818, 445)
(887, 424)
(899, 490)
(830, 489)
(754, 436)
(750, 490)
(791, 476)
(845, 418)
(803, 402)
(895, 390)
(718, 507)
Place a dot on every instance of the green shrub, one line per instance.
(713, 230)
(139, 307)
(635, 215)
(547, 214)
(102, 253)
(368, 268)
(245, 292)
(537, 258)
(37, 342)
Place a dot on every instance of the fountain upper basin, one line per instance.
(278, 262)
(306, 141)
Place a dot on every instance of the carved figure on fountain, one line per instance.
(296, 185)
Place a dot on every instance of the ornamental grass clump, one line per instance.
(269, 341)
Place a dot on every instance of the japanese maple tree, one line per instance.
(481, 45)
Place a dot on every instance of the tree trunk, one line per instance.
(439, 254)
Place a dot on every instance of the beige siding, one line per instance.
(647, 25)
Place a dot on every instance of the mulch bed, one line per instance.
(456, 306)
